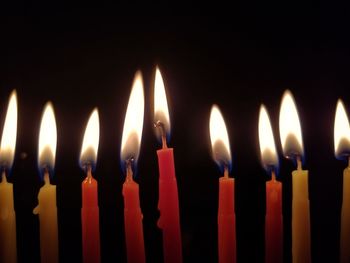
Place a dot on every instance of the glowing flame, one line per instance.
(133, 123)
(290, 130)
(88, 154)
(161, 112)
(9, 133)
(47, 137)
(341, 132)
(266, 140)
(219, 138)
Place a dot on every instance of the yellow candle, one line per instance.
(292, 144)
(46, 208)
(342, 150)
(8, 248)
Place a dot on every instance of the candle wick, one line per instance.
(129, 172)
(46, 177)
(226, 172)
(88, 171)
(161, 126)
(4, 179)
(299, 167)
(273, 176)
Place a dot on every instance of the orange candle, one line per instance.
(226, 215)
(130, 149)
(90, 212)
(168, 203)
(273, 219)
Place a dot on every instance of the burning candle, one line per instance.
(8, 247)
(130, 149)
(342, 151)
(226, 214)
(90, 212)
(168, 203)
(291, 139)
(273, 219)
(46, 208)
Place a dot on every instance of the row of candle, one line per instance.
(291, 138)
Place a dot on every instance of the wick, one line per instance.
(273, 175)
(129, 173)
(226, 172)
(161, 126)
(299, 163)
(4, 179)
(46, 175)
(88, 171)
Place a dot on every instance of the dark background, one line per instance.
(84, 57)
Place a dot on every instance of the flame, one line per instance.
(161, 111)
(133, 123)
(219, 138)
(9, 133)
(88, 154)
(341, 132)
(266, 140)
(290, 130)
(47, 137)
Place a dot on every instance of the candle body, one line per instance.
(226, 221)
(133, 223)
(8, 249)
(168, 205)
(301, 248)
(90, 221)
(345, 219)
(273, 223)
(47, 211)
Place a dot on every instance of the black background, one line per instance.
(84, 57)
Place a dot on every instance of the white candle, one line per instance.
(8, 247)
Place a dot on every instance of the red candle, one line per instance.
(273, 219)
(226, 214)
(130, 149)
(90, 212)
(168, 204)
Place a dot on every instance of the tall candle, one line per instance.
(90, 212)
(342, 152)
(168, 203)
(226, 213)
(273, 219)
(8, 245)
(47, 209)
(130, 149)
(291, 139)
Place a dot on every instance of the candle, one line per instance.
(90, 212)
(8, 247)
(273, 219)
(46, 208)
(130, 149)
(291, 139)
(168, 203)
(226, 214)
(342, 151)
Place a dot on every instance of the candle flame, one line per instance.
(88, 154)
(132, 132)
(289, 125)
(266, 140)
(47, 138)
(341, 132)
(161, 111)
(9, 133)
(219, 139)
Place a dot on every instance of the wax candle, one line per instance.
(291, 139)
(8, 246)
(46, 208)
(168, 203)
(273, 219)
(226, 213)
(130, 149)
(342, 152)
(90, 212)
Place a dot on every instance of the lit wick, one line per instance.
(88, 170)
(129, 173)
(226, 171)
(161, 127)
(299, 163)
